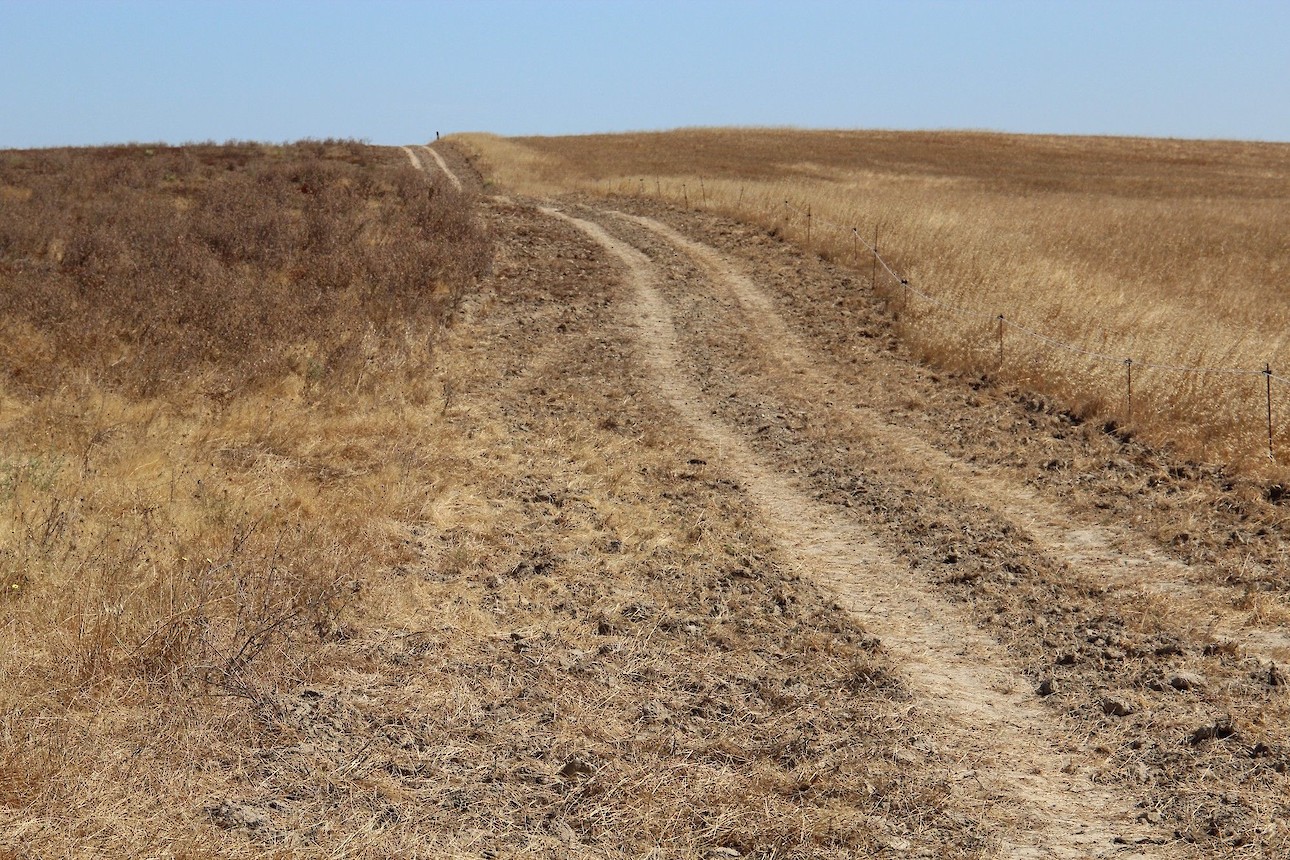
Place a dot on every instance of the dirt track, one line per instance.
(1006, 744)
(1092, 683)
(691, 558)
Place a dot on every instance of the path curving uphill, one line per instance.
(412, 157)
(1009, 752)
(443, 165)
(438, 160)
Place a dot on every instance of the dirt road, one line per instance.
(1006, 744)
(438, 160)
(1138, 602)
(443, 165)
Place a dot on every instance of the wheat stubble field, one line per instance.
(356, 508)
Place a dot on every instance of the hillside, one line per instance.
(1095, 251)
(596, 526)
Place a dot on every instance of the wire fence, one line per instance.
(813, 224)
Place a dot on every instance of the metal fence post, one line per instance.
(1128, 366)
(1267, 377)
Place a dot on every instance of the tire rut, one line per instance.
(412, 157)
(438, 159)
(443, 165)
(1009, 749)
(1113, 557)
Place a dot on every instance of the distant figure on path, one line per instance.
(436, 135)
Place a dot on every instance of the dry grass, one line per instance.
(1169, 252)
(334, 594)
(601, 654)
(214, 380)
(147, 270)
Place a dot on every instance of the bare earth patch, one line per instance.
(1003, 742)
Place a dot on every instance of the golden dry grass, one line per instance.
(446, 593)
(214, 389)
(1168, 252)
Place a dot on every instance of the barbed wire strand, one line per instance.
(975, 314)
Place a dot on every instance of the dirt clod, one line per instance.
(231, 815)
(1218, 730)
(1118, 705)
(1187, 681)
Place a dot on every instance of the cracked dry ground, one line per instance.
(608, 639)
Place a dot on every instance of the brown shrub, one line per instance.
(145, 268)
(212, 363)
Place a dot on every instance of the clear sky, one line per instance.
(99, 71)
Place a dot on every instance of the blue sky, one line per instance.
(98, 71)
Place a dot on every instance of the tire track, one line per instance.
(1040, 797)
(443, 165)
(438, 159)
(412, 157)
(1114, 558)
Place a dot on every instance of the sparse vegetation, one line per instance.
(214, 375)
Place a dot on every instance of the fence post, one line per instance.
(1128, 366)
(658, 187)
(703, 191)
(873, 276)
(1267, 376)
(855, 246)
(808, 226)
(904, 301)
(686, 195)
(1000, 343)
